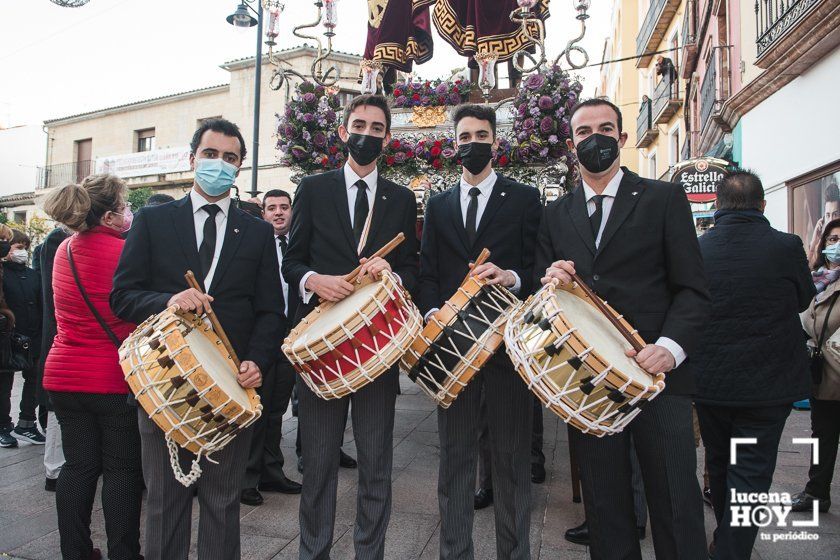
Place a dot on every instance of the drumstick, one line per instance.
(217, 326)
(387, 248)
(482, 258)
(602, 307)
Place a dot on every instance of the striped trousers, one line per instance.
(509, 416)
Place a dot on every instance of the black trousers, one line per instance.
(825, 426)
(28, 398)
(752, 471)
(99, 435)
(485, 478)
(265, 459)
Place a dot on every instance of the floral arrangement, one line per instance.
(541, 116)
(409, 93)
(307, 132)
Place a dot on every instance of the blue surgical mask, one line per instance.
(214, 176)
(832, 253)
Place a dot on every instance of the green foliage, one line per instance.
(139, 197)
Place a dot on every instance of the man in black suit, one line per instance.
(235, 257)
(265, 460)
(632, 240)
(340, 218)
(484, 210)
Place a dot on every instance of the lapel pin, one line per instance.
(503, 193)
(635, 193)
(235, 231)
(384, 197)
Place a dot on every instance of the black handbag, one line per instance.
(16, 353)
(816, 354)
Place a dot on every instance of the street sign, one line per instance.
(699, 177)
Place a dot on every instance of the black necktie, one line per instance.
(472, 214)
(208, 244)
(360, 212)
(597, 216)
(283, 245)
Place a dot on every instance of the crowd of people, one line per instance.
(740, 322)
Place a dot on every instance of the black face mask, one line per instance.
(475, 156)
(597, 153)
(364, 148)
(5, 247)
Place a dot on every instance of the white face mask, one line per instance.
(18, 256)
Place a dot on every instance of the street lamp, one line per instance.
(243, 20)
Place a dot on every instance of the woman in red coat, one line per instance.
(83, 375)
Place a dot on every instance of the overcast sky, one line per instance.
(58, 61)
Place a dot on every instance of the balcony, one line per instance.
(659, 16)
(666, 99)
(709, 98)
(688, 40)
(775, 19)
(646, 132)
(60, 174)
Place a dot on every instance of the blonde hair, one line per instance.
(81, 207)
(5, 233)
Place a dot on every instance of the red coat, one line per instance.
(83, 358)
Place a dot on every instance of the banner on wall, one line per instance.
(154, 162)
(699, 177)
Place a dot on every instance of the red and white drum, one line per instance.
(339, 348)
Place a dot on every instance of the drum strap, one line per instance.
(93, 310)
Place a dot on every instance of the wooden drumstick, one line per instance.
(602, 307)
(482, 258)
(387, 248)
(217, 326)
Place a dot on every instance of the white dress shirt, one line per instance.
(486, 188)
(199, 217)
(282, 279)
(610, 192)
(350, 180)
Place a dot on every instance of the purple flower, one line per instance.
(319, 139)
(544, 152)
(441, 89)
(289, 131)
(535, 111)
(309, 98)
(522, 136)
(535, 81)
(400, 101)
(447, 153)
(528, 123)
(547, 125)
(307, 117)
(298, 152)
(399, 157)
(553, 139)
(523, 108)
(564, 129)
(288, 111)
(330, 114)
(454, 99)
(424, 100)
(546, 102)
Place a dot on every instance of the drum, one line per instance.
(573, 358)
(185, 380)
(341, 347)
(459, 340)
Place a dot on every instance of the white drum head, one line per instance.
(222, 371)
(601, 335)
(338, 314)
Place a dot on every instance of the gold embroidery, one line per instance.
(376, 11)
(428, 117)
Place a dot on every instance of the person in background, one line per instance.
(831, 211)
(53, 452)
(22, 289)
(7, 323)
(750, 364)
(821, 321)
(159, 198)
(83, 375)
(265, 459)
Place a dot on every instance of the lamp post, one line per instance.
(242, 19)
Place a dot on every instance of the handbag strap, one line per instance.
(93, 310)
(821, 337)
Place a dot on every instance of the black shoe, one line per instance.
(805, 502)
(300, 465)
(251, 497)
(483, 498)
(707, 496)
(537, 473)
(579, 534)
(6, 439)
(642, 532)
(29, 434)
(345, 461)
(284, 486)
(49, 484)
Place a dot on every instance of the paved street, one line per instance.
(28, 522)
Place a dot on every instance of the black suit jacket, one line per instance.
(321, 239)
(508, 228)
(248, 297)
(648, 265)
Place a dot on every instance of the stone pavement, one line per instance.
(28, 527)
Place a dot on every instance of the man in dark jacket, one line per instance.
(751, 363)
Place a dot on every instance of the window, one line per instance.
(652, 165)
(19, 218)
(145, 140)
(674, 43)
(813, 197)
(674, 146)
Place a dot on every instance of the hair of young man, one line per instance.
(218, 125)
(480, 112)
(740, 189)
(599, 102)
(372, 100)
(276, 193)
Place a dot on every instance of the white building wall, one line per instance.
(22, 150)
